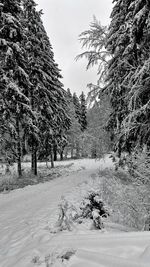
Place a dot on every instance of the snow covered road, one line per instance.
(25, 215)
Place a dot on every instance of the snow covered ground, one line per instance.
(25, 239)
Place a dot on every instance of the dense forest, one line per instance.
(39, 117)
(33, 106)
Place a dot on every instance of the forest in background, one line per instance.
(39, 117)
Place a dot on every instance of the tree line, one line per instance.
(33, 106)
(77, 110)
(87, 136)
(37, 116)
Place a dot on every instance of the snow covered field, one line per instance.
(25, 239)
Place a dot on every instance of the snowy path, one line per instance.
(24, 214)
(24, 220)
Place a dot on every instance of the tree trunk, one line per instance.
(61, 155)
(82, 153)
(24, 150)
(34, 160)
(52, 157)
(55, 152)
(71, 151)
(66, 153)
(77, 150)
(19, 160)
(19, 169)
(34, 146)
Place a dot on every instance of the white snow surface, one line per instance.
(27, 213)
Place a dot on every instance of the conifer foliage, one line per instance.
(77, 106)
(15, 107)
(74, 131)
(78, 113)
(47, 95)
(32, 99)
(83, 115)
(122, 53)
(128, 75)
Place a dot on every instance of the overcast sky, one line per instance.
(64, 20)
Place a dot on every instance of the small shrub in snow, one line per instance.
(97, 220)
(64, 216)
(91, 202)
(93, 208)
(66, 255)
(67, 214)
(36, 260)
(56, 258)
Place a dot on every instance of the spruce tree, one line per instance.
(77, 106)
(128, 74)
(15, 110)
(69, 96)
(47, 95)
(83, 112)
(137, 122)
(118, 69)
(74, 131)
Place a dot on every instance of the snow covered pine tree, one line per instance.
(47, 94)
(128, 73)
(15, 85)
(83, 112)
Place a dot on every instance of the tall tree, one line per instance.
(136, 125)
(118, 69)
(77, 106)
(94, 41)
(74, 131)
(83, 112)
(47, 96)
(15, 110)
(128, 75)
(98, 137)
